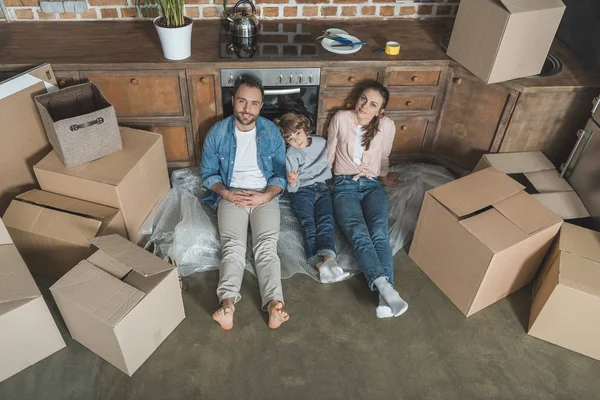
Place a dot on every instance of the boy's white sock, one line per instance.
(391, 296)
(383, 310)
(336, 272)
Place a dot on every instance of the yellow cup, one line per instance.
(392, 48)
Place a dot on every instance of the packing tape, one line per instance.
(16, 84)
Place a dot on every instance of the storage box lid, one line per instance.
(68, 204)
(548, 181)
(476, 191)
(516, 163)
(118, 256)
(4, 236)
(580, 241)
(16, 282)
(567, 205)
(111, 169)
(97, 293)
(520, 6)
(42, 219)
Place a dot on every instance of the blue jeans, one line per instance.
(313, 207)
(361, 211)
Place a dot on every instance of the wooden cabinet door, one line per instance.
(205, 95)
(473, 115)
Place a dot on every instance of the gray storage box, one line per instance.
(80, 123)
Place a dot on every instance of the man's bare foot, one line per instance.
(224, 316)
(276, 314)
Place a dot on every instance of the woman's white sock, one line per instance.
(391, 296)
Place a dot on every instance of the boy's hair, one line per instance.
(250, 81)
(291, 122)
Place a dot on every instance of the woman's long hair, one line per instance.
(372, 127)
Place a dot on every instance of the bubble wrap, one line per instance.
(181, 228)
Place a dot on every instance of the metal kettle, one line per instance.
(243, 25)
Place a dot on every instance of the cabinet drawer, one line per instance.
(138, 94)
(410, 102)
(409, 135)
(334, 77)
(177, 140)
(413, 78)
(336, 103)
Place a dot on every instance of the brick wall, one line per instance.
(29, 10)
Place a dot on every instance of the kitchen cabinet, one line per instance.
(206, 106)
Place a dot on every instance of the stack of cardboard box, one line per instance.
(119, 301)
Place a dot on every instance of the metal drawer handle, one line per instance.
(582, 134)
(415, 78)
(409, 103)
(98, 121)
(351, 79)
(133, 81)
(404, 127)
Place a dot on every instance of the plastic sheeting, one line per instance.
(181, 228)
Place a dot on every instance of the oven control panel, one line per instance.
(274, 76)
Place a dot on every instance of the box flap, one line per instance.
(97, 292)
(580, 241)
(4, 236)
(527, 213)
(548, 181)
(476, 191)
(113, 168)
(68, 204)
(580, 273)
(51, 223)
(16, 282)
(519, 6)
(517, 163)
(566, 205)
(130, 255)
(494, 230)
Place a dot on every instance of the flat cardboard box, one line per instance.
(566, 300)
(52, 231)
(23, 137)
(500, 40)
(543, 181)
(481, 237)
(132, 180)
(28, 333)
(121, 303)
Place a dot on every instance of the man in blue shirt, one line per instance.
(243, 165)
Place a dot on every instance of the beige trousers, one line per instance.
(233, 229)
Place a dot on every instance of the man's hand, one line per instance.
(251, 199)
(293, 178)
(234, 197)
(389, 179)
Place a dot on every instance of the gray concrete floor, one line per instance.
(332, 348)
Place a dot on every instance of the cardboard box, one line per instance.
(52, 231)
(28, 333)
(23, 137)
(132, 180)
(566, 300)
(121, 303)
(541, 180)
(500, 40)
(481, 237)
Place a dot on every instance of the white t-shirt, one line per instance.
(246, 173)
(358, 147)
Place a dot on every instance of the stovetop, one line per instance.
(274, 41)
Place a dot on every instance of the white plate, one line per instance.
(336, 31)
(327, 45)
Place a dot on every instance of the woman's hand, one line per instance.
(293, 178)
(389, 179)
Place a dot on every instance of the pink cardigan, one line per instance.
(341, 137)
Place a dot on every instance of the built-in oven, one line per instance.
(286, 90)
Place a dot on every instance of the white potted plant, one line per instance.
(174, 29)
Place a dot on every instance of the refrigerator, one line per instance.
(582, 168)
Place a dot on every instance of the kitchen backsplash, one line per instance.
(29, 10)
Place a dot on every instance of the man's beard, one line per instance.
(238, 118)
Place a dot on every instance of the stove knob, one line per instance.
(300, 79)
(280, 79)
(291, 78)
(230, 79)
(309, 79)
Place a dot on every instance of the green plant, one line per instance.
(170, 10)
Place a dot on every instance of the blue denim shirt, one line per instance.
(218, 156)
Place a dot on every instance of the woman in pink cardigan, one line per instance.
(358, 149)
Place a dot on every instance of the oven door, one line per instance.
(278, 101)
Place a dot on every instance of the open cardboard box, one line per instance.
(481, 237)
(52, 231)
(28, 333)
(541, 180)
(500, 40)
(132, 180)
(121, 303)
(566, 295)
